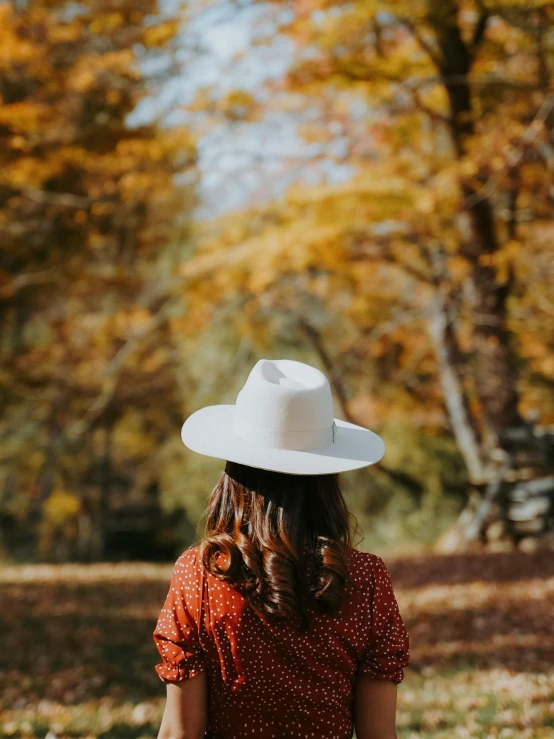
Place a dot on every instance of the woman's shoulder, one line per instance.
(363, 566)
(187, 565)
(190, 555)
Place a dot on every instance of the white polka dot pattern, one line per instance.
(268, 681)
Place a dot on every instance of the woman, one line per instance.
(274, 626)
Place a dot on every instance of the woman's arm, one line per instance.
(375, 708)
(186, 709)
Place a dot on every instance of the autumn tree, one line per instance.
(90, 215)
(442, 241)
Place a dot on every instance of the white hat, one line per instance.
(283, 421)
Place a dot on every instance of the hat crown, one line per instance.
(285, 404)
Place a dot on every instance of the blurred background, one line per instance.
(186, 187)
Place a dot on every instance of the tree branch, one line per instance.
(432, 52)
(480, 28)
(376, 332)
(377, 248)
(402, 478)
(28, 278)
(433, 114)
(65, 199)
(514, 156)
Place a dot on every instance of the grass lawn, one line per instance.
(77, 656)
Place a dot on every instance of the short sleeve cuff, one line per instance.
(388, 651)
(396, 675)
(183, 670)
(178, 646)
(388, 667)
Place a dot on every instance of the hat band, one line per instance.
(281, 439)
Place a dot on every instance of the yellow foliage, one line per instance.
(67, 32)
(106, 22)
(130, 322)
(87, 70)
(161, 33)
(236, 104)
(25, 117)
(28, 171)
(60, 507)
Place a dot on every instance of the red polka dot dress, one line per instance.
(268, 681)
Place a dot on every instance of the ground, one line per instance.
(77, 656)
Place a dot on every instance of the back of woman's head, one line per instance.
(262, 529)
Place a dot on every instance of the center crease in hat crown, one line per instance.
(281, 407)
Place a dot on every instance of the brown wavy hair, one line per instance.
(261, 529)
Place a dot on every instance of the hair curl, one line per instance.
(260, 527)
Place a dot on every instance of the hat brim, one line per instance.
(209, 431)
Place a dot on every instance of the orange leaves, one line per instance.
(91, 66)
(25, 117)
(14, 49)
(161, 33)
(60, 507)
(237, 104)
(90, 213)
(47, 691)
(480, 639)
(175, 149)
(31, 172)
(105, 22)
(66, 33)
(297, 236)
(424, 202)
(470, 611)
(60, 513)
(133, 322)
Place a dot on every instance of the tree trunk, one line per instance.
(494, 362)
(461, 421)
(493, 356)
(105, 471)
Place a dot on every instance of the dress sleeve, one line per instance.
(388, 649)
(176, 632)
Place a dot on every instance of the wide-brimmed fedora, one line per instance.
(283, 420)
